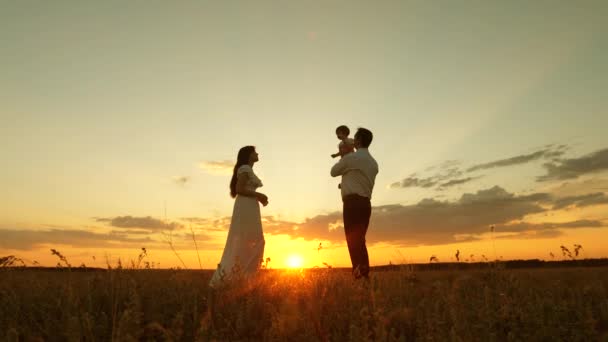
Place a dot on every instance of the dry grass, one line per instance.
(493, 304)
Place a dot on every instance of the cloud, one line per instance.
(545, 230)
(411, 182)
(531, 234)
(523, 226)
(181, 180)
(209, 224)
(581, 201)
(579, 188)
(548, 153)
(449, 172)
(448, 164)
(457, 182)
(218, 167)
(29, 239)
(146, 222)
(430, 221)
(445, 174)
(130, 231)
(575, 167)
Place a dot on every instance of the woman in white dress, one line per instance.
(244, 250)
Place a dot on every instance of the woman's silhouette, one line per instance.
(244, 248)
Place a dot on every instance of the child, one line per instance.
(347, 145)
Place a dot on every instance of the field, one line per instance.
(490, 303)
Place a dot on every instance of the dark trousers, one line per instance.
(356, 213)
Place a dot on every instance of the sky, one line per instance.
(121, 122)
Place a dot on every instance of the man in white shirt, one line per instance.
(358, 171)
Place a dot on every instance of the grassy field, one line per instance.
(486, 304)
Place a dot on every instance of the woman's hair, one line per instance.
(241, 159)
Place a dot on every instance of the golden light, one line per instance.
(294, 261)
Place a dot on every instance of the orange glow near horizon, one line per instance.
(297, 254)
(294, 261)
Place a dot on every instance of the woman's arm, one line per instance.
(241, 188)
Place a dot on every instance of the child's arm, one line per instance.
(339, 154)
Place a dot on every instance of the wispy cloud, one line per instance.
(28, 239)
(412, 182)
(449, 173)
(146, 222)
(526, 230)
(547, 153)
(208, 223)
(523, 226)
(217, 166)
(443, 175)
(581, 201)
(575, 167)
(530, 234)
(581, 187)
(454, 182)
(181, 180)
(25, 239)
(448, 164)
(129, 232)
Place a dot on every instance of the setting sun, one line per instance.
(294, 261)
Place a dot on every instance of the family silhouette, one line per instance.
(244, 249)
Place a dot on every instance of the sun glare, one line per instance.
(294, 261)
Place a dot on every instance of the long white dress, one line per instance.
(244, 248)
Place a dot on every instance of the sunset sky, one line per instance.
(121, 122)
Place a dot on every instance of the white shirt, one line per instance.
(358, 171)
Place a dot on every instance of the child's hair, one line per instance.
(343, 129)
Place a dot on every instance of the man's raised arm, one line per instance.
(340, 168)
